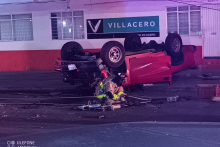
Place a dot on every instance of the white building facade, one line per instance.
(32, 34)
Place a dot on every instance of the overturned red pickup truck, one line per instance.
(142, 62)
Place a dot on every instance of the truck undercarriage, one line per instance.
(142, 63)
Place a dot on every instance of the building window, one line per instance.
(16, 27)
(67, 25)
(184, 20)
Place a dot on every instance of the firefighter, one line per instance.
(110, 89)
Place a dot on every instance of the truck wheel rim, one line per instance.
(115, 54)
(176, 45)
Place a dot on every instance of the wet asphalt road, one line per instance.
(146, 134)
(57, 126)
(63, 126)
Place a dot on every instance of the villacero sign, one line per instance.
(122, 27)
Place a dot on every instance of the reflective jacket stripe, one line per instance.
(120, 93)
(115, 97)
(101, 85)
(101, 96)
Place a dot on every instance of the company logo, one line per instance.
(131, 24)
(147, 26)
(96, 27)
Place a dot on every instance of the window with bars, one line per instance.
(16, 27)
(184, 20)
(67, 25)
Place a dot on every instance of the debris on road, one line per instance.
(129, 101)
(145, 85)
(38, 116)
(102, 116)
(139, 98)
(208, 77)
(173, 99)
(89, 106)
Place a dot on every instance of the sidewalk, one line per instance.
(184, 82)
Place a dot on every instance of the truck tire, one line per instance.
(70, 49)
(175, 61)
(132, 43)
(113, 54)
(173, 45)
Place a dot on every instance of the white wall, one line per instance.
(211, 31)
(14, 1)
(42, 25)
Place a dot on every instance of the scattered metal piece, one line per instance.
(99, 106)
(208, 77)
(145, 85)
(144, 99)
(89, 106)
(173, 99)
(94, 106)
(101, 116)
